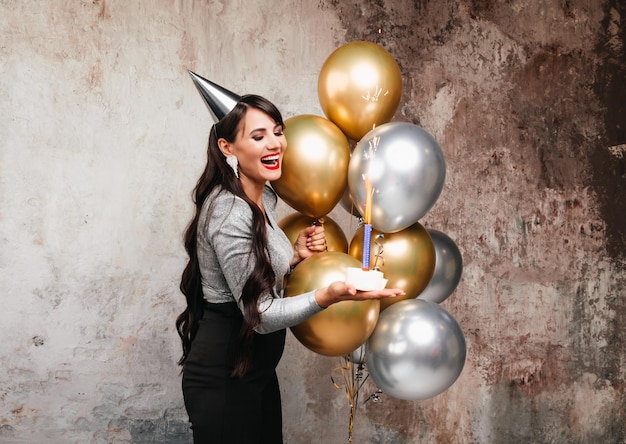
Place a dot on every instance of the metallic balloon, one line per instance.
(448, 268)
(315, 165)
(358, 356)
(293, 224)
(342, 327)
(406, 258)
(407, 170)
(416, 351)
(359, 87)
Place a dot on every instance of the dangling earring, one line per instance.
(234, 164)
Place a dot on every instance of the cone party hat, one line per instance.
(218, 99)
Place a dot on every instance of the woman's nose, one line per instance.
(275, 142)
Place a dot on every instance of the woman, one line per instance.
(233, 329)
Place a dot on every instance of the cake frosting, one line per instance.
(365, 280)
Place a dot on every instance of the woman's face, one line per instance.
(259, 147)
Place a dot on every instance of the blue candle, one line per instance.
(367, 239)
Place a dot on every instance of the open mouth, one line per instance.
(271, 162)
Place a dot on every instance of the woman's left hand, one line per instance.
(311, 240)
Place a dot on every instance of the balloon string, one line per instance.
(352, 381)
(374, 397)
(379, 251)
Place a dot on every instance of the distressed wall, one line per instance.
(102, 139)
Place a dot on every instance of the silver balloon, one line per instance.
(407, 169)
(358, 356)
(448, 268)
(416, 351)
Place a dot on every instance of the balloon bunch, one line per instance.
(389, 174)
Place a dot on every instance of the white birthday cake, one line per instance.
(365, 280)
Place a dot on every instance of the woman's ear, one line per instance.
(224, 147)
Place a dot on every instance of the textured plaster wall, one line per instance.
(103, 136)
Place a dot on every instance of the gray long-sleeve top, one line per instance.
(224, 253)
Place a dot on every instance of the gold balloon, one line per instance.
(407, 259)
(359, 87)
(342, 327)
(315, 165)
(293, 224)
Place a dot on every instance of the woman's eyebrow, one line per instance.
(257, 129)
(278, 125)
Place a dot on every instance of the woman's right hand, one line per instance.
(340, 291)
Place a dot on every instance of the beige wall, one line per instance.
(103, 136)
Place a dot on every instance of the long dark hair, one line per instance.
(218, 173)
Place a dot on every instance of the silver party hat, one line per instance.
(219, 100)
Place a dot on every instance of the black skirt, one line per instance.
(223, 409)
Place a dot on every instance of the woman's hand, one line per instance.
(311, 240)
(340, 291)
